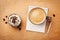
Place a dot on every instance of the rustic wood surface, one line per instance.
(20, 7)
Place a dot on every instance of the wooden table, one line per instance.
(20, 7)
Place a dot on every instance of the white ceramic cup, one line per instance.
(40, 21)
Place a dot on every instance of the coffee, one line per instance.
(37, 15)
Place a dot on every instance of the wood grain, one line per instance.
(20, 7)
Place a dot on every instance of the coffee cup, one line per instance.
(37, 15)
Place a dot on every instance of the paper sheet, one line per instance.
(33, 27)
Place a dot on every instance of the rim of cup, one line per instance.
(42, 20)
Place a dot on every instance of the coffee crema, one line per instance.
(37, 15)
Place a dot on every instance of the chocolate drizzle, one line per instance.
(14, 19)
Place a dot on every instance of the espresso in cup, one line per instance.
(37, 16)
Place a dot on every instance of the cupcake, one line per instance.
(14, 20)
